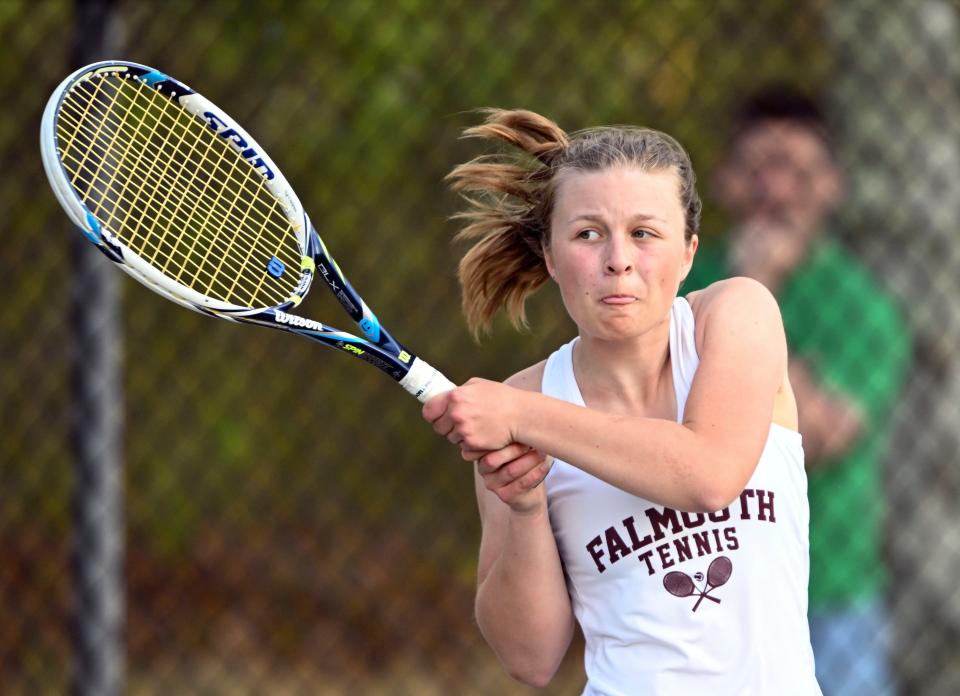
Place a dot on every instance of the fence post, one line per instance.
(96, 432)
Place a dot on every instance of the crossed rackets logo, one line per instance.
(679, 584)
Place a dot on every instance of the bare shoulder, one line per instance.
(733, 301)
(739, 330)
(739, 311)
(732, 291)
(529, 379)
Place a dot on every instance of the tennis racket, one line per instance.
(179, 196)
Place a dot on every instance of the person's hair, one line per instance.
(782, 102)
(510, 199)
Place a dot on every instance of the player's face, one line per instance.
(617, 249)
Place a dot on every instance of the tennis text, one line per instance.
(633, 535)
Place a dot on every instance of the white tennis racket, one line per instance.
(179, 196)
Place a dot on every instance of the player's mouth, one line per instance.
(618, 299)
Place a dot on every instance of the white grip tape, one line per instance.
(424, 381)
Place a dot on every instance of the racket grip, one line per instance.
(424, 381)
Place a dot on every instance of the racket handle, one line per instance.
(424, 381)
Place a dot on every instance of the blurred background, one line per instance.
(183, 509)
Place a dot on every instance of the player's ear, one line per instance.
(689, 252)
(548, 260)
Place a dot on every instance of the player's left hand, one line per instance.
(514, 474)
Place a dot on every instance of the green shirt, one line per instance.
(853, 337)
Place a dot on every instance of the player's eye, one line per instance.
(588, 234)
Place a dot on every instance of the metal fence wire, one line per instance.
(269, 542)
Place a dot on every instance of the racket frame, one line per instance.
(378, 347)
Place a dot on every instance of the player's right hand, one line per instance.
(514, 473)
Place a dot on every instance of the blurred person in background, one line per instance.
(849, 347)
(672, 525)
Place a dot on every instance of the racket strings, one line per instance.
(105, 116)
(149, 178)
(214, 244)
(175, 192)
(159, 216)
(135, 230)
(178, 237)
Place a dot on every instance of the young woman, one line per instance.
(671, 522)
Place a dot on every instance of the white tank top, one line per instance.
(687, 603)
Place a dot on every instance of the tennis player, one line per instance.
(646, 480)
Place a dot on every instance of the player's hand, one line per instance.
(514, 473)
(480, 415)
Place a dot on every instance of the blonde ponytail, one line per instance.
(507, 214)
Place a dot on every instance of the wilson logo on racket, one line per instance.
(247, 152)
(680, 584)
(300, 322)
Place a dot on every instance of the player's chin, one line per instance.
(616, 329)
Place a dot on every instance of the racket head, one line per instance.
(174, 191)
(678, 584)
(719, 571)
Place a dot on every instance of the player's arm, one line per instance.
(700, 465)
(522, 604)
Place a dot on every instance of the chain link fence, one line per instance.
(269, 542)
